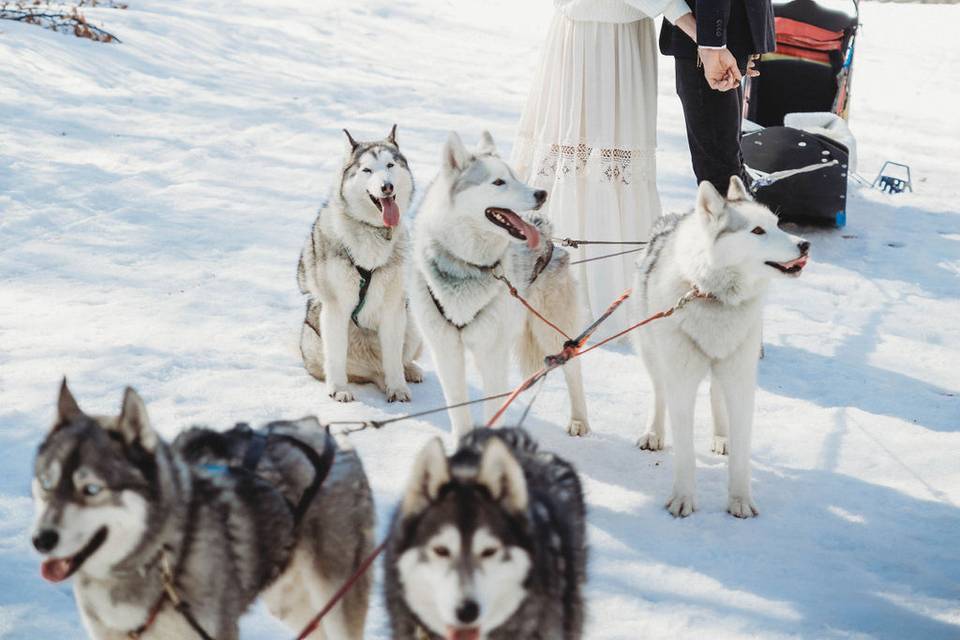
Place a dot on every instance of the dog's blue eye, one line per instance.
(46, 481)
(758, 231)
(368, 171)
(91, 489)
(499, 182)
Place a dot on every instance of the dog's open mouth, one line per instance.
(59, 569)
(389, 209)
(463, 633)
(515, 225)
(791, 268)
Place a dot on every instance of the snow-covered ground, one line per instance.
(154, 196)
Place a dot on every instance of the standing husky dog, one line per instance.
(462, 242)
(126, 514)
(356, 328)
(488, 545)
(728, 249)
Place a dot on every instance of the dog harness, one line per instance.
(366, 275)
(436, 301)
(218, 444)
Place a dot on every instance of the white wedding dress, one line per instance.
(588, 136)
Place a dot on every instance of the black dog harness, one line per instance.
(436, 301)
(366, 275)
(219, 445)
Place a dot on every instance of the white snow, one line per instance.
(154, 196)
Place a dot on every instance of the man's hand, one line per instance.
(720, 69)
(752, 70)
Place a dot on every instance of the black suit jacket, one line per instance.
(745, 27)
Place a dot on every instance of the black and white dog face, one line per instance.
(466, 554)
(485, 195)
(744, 235)
(93, 484)
(376, 183)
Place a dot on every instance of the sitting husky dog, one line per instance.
(728, 248)
(488, 545)
(356, 327)
(130, 515)
(462, 242)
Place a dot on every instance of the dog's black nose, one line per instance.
(46, 540)
(468, 611)
(387, 188)
(540, 196)
(804, 247)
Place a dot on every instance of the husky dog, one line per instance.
(488, 544)
(546, 282)
(462, 242)
(727, 249)
(356, 327)
(127, 515)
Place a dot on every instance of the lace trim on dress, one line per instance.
(606, 165)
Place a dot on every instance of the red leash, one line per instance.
(572, 349)
(342, 591)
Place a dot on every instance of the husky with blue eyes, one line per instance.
(357, 327)
(216, 519)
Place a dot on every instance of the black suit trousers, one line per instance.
(713, 120)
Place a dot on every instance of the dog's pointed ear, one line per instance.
(351, 143)
(710, 204)
(503, 476)
(67, 408)
(487, 146)
(455, 155)
(392, 138)
(134, 425)
(737, 191)
(430, 472)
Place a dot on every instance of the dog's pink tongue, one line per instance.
(391, 212)
(531, 232)
(463, 634)
(55, 570)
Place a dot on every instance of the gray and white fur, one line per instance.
(467, 232)
(488, 544)
(730, 248)
(115, 502)
(357, 331)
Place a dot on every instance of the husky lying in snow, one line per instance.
(117, 508)
(728, 248)
(488, 544)
(462, 241)
(356, 327)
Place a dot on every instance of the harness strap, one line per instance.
(366, 275)
(436, 301)
(322, 464)
(542, 262)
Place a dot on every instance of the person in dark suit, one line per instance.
(713, 47)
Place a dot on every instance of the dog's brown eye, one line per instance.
(489, 552)
(441, 551)
(758, 231)
(368, 170)
(499, 182)
(389, 165)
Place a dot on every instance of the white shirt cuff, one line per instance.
(676, 10)
(720, 48)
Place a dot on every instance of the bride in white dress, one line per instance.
(588, 134)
